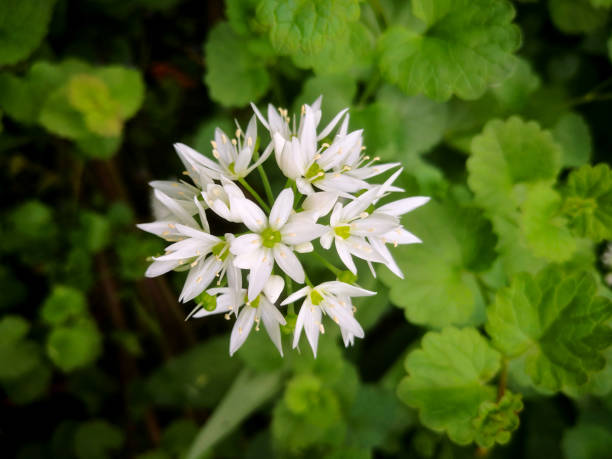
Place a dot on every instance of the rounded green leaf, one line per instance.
(90, 96)
(63, 304)
(447, 381)
(557, 322)
(572, 133)
(497, 420)
(576, 16)
(235, 74)
(305, 26)
(76, 346)
(466, 45)
(23, 25)
(440, 286)
(545, 226)
(588, 201)
(97, 439)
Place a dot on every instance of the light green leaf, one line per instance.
(60, 117)
(337, 91)
(304, 26)
(587, 440)
(440, 286)
(64, 303)
(588, 202)
(74, 346)
(576, 16)
(462, 48)
(352, 54)
(497, 420)
(248, 392)
(572, 133)
(448, 381)
(23, 25)
(241, 15)
(90, 96)
(545, 226)
(235, 75)
(18, 356)
(125, 86)
(513, 92)
(507, 158)
(557, 322)
(97, 439)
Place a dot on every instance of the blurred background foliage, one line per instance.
(496, 109)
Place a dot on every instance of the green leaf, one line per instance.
(125, 86)
(30, 386)
(587, 440)
(337, 91)
(576, 16)
(75, 346)
(572, 133)
(90, 96)
(462, 47)
(545, 226)
(352, 54)
(197, 378)
(248, 392)
(235, 73)
(513, 93)
(557, 322)
(97, 439)
(507, 158)
(447, 381)
(309, 414)
(178, 436)
(497, 420)
(601, 3)
(305, 26)
(588, 202)
(18, 356)
(440, 286)
(64, 303)
(241, 14)
(23, 25)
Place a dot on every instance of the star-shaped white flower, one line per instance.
(330, 298)
(261, 308)
(273, 239)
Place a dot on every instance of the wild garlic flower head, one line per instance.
(234, 263)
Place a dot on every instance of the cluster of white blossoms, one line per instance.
(328, 198)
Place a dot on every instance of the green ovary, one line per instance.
(270, 237)
(343, 231)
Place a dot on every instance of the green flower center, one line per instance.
(343, 231)
(220, 250)
(255, 302)
(314, 172)
(316, 297)
(270, 237)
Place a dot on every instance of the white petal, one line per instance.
(288, 262)
(260, 116)
(303, 186)
(344, 289)
(402, 206)
(300, 229)
(327, 129)
(260, 273)
(252, 216)
(389, 261)
(345, 255)
(342, 184)
(354, 208)
(326, 240)
(199, 278)
(177, 210)
(297, 295)
(373, 225)
(365, 173)
(343, 316)
(320, 203)
(308, 136)
(164, 229)
(271, 318)
(245, 243)
(359, 247)
(242, 328)
(305, 247)
(312, 324)
(274, 287)
(197, 234)
(401, 236)
(159, 267)
(279, 214)
(248, 260)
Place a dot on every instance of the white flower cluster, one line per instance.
(335, 204)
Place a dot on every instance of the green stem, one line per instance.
(266, 182)
(307, 280)
(503, 378)
(259, 199)
(336, 272)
